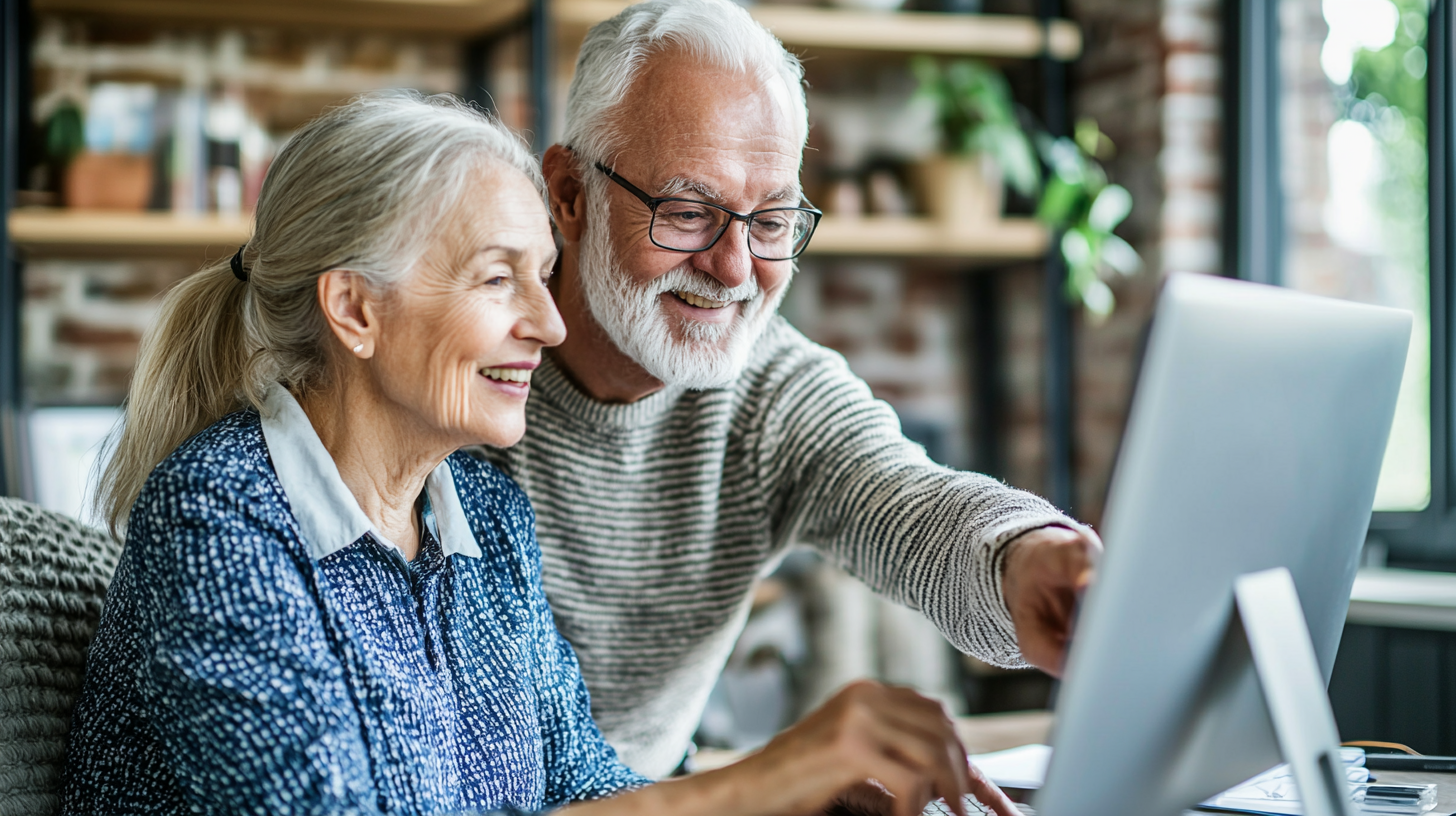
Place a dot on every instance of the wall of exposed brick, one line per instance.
(82, 323)
(1151, 78)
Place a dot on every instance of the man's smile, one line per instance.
(700, 301)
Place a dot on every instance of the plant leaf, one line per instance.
(1120, 256)
(1109, 208)
(1076, 250)
(1059, 200)
(1099, 300)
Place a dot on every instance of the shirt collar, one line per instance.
(329, 517)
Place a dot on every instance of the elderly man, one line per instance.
(684, 436)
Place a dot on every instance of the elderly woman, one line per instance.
(322, 606)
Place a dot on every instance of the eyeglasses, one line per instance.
(688, 225)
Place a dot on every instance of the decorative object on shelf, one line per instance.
(844, 198)
(869, 5)
(108, 181)
(114, 172)
(982, 141)
(886, 192)
(962, 193)
(1080, 204)
(946, 6)
(65, 139)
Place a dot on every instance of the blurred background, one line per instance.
(1006, 183)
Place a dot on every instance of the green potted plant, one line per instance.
(983, 145)
(1083, 207)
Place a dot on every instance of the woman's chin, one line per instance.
(500, 430)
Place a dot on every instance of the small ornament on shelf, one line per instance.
(982, 144)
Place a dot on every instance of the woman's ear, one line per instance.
(344, 298)
(568, 195)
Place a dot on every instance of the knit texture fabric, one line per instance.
(233, 672)
(657, 517)
(53, 576)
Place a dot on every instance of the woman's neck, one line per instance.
(381, 454)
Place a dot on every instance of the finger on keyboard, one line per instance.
(938, 808)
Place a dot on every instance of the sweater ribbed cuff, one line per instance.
(989, 602)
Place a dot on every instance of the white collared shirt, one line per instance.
(329, 517)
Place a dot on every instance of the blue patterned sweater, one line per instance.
(235, 671)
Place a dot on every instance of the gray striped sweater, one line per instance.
(656, 518)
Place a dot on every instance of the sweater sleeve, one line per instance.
(846, 481)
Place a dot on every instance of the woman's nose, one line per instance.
(541, 320)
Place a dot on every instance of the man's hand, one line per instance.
(1044, 571)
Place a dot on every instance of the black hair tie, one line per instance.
(237, 264)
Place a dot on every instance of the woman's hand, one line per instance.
(904, 742)
(880, 750)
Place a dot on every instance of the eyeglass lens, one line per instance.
(773, 235)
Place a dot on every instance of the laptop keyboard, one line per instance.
(938, 808)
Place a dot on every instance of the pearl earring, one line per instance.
(358, 348)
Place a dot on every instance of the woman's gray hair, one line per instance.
(717, 32)
(363, 187)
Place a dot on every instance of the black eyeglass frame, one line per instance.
(653, 202)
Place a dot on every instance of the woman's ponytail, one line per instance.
(189, 374)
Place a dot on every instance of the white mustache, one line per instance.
(685, 279)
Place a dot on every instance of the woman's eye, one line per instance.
(497, 280)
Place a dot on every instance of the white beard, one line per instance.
(706, 355)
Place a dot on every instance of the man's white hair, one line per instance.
(720, 33)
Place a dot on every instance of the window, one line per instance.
(1340, 111)
(1353, 110)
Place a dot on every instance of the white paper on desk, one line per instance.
(1024, 767)
(1275, 791)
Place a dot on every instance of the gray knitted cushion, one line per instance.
(53, 576)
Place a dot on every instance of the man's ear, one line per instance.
(568, 194)
(345, 302)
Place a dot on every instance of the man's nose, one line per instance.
(729, 261)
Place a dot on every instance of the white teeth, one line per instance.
(701, 302)
(517, 375)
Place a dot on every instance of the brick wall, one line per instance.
(82, 322)
(1150, 77)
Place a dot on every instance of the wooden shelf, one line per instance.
(72, 232)
(51, 232)
(988, 35)
(456, 19)
(1004, 240)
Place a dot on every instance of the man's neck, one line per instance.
(589, 357)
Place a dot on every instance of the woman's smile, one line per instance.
(510, 378)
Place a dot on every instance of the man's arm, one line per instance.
(846, 481)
